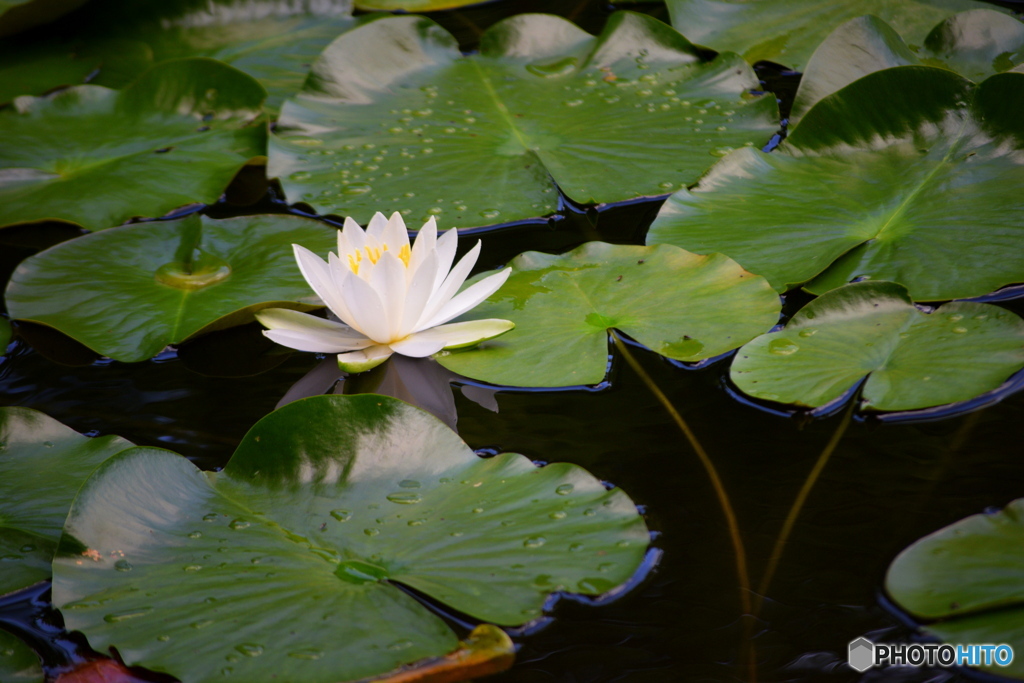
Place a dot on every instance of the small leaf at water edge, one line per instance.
(394, 117)
(872, 329)
(42, 465)
(18, 664)
(975, 44)
(97, 157)
(116, 40)
(5, 334)
(968, 577)
(787, 31)
(285, 562)
(907, 175)
(128, 293)
(678, 304)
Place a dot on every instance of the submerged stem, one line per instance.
(801, 498)
(709, 467)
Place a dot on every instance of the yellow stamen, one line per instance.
(353, 261)
(405, 254)
(373, 254)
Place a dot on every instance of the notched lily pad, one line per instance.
(286, 560)
(128, 293)
(787, 31)
(975, 44)
(18, 664)
(920, 190)
(41, 456)
(872, 329)
(97, 157)
(964, 582)
(681, 305)
(393, 115)
(114, 41)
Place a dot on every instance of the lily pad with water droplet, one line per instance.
(287, 560)
(975, 44)
(394, 116)
(872, 330)
(907, 175)
(128, 293)
(787, 31)
(98, 157)
(18, 664)
(681, 305)
(963, 583)
(41, 456)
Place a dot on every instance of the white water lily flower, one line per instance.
(390, 298)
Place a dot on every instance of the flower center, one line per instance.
(373, 254)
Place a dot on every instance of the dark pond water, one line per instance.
(886, 485)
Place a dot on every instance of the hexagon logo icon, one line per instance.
(862, 654)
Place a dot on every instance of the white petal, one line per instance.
(318, 341)
(354, 235)
(368, 315)
(469, 298)
(458, 335)
(296, 321)
(318, 275)
(447, 243)
(420, 288)
(395, 235)
(388, 280)
(426, 240)
(449, 287)
(361, 361)
(414, 347)
(376, 227)
(338, 268)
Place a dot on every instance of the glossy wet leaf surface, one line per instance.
(681, 305)
(326, 502)
(872, 329)
(18, 664)
(394, 117)
(97, 157)
(967, 575)
(41, 455)
(787, 31)
(129, 292)
(975, 44)
(273, 42)
(860, 190)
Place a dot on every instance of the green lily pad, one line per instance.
(968, 576)
(975, 44)
(872, 329)
(273, 42)
(920, 190)
(41, 456)
(18, 15)
(394, 117)
(97, 157)
(286, 560)
(18, 664)
(128, 293)
(787, 31)
(681, 305)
